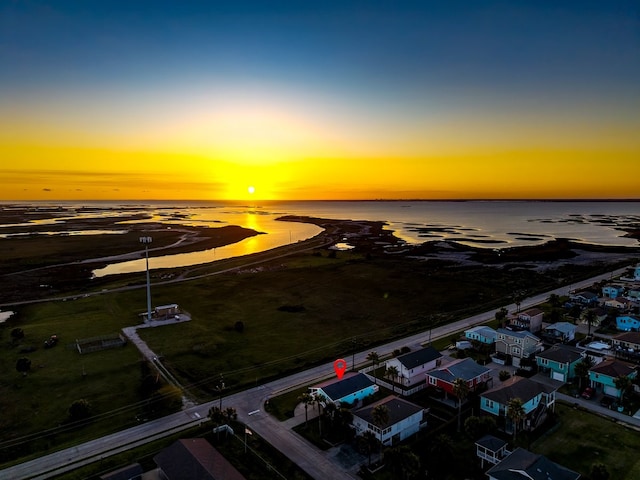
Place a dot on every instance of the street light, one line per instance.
(147, 241)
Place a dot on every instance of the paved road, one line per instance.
(249, 405)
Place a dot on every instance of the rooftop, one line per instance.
(517, 387)
(562, 354)
(399, 409)
(419, 357)
(524, 465)
(613, 368)
(351, 383)
(465, 368)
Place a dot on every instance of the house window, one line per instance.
(433, 381)
(488, 403)
(562, 366)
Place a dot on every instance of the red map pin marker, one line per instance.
(340, 366)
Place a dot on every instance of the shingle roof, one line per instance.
(491, 443)
(562, 354)
(195, 459)
(518, 333)
(398, 408)
(629, 337)
(465, 368)
(612, 368)
(564, 327)
(524, 465)
(419, 357)
(532, 312)
(484, 331)
(517, 387)
(338, 389)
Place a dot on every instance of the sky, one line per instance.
(215, 100)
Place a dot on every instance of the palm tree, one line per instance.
(461, 391)
(374, 358)
(515, 411)
(554, 299)
(590, 317)
(217, 418)
(380, 417)
(393, 373)
(622, 383)
(402, 462)
(307, 400)
(582, 369)
(370, 442)
(319, 399)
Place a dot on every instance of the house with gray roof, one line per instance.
(559, 332)
(413, 365)
(482, 334)
(559, 361)
(405, 419)
(352, 388)
(472, 373)
(515, 345)
(536, 397)
(491, 449)
(522, 464)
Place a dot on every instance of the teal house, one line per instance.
(536, 398)
(602, 377)
(559, 362)
(482, 334)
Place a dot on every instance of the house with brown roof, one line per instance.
(530, 320)
(602, 377)
(627, 346)
(194, 459)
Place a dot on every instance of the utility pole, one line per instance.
(147, 241)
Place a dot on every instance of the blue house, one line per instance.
(559, 362)
(351, 389)
(603, 376)
(562, 332)
(536, 398)
(612, 290)
(482, 334)
(628, 323)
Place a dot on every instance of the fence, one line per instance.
(103, 342)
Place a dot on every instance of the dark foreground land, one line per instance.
(252, 323)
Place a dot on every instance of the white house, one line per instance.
(404, 419)
(413, 365)
(516, 345)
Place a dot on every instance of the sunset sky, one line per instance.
(319, 99)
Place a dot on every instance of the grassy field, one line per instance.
(296, 312)
(583, 439)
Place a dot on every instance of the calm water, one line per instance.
(488, 224)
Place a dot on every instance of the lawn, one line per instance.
(583, 438)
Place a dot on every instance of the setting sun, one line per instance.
(251, 190)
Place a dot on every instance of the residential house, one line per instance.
(352, 388)
(472, 373)
(560, 361)
(633, 292)
(627, 346)
(521, 464)
(413, 365)
(194, 459)
(482, 334)
(602, 377)
(536, 398)
(622, 304)
(530, 320)
(516, 345)
(405, 419)
(628, 323)
(559, 332)
(636, 273)
(612, 290)
(491, 449)
(584, 297)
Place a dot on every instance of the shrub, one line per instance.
(503, 375)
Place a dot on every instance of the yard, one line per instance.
(582, 438)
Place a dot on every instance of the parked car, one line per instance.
(588, 393)
(607, 401)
